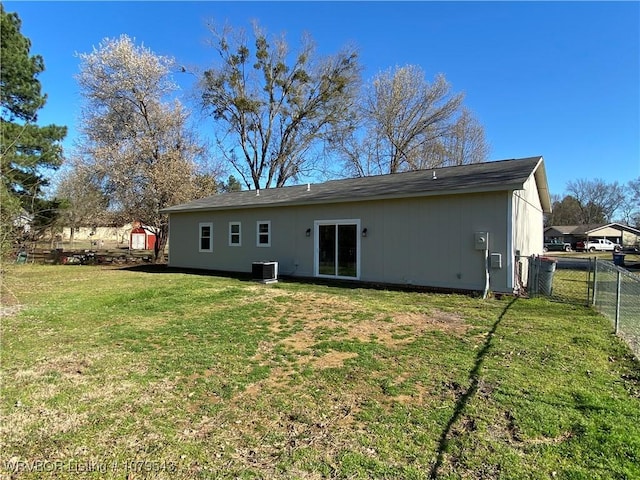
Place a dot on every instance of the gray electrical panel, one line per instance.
(481, 240)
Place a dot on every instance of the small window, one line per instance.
(206, 237)
(235, 234)
(264, 234)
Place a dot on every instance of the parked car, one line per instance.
(557, 246)
(598, 244)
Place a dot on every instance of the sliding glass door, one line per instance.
(337, 249)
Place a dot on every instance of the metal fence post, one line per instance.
(532, 279)
(588, 301)
(595, 281)
(618, 289)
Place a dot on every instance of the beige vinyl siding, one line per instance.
(527, 228)
(605, 232)
(431, 241)
(629, 238)
(284, 240)
(528, 222)
(419, 241)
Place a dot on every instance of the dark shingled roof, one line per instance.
(479, 177)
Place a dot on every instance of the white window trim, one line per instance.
(239, 234)
(210, 225)
(258, 223)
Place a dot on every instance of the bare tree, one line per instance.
(596, 199)
(274, 107)
(630, 205)
(83, 202)
(134, 139)
(410, 116)
(409, 124)
(465, 142)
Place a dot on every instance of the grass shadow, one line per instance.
(464, 399)
(166, 269)
(163, 268)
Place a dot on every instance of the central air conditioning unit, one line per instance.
(265, 272)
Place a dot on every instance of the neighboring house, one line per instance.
(616, 232)
(97, 233)
(23, 221)
(427, 228)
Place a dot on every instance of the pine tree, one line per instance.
(28, 152)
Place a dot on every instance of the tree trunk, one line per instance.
(161, 242)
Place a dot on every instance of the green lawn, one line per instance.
(111, 373)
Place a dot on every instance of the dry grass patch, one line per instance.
(332, 359)
(387, 329)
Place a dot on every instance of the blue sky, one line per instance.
(557, 79)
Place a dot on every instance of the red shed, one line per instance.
(141, 239)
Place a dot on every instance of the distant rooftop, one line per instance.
(587, 229)
(479, 177)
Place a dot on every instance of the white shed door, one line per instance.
(137, 241)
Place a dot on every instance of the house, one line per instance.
(451, 228)
(114, 233)
(23, 221)
(616, 232)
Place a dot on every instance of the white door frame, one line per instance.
(316, 246)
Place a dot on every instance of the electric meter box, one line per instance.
(481, 240)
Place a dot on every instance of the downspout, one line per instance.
(511, 241)
(486, 269)
(482, 244)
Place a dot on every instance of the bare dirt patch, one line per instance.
(390, 330)
(9, 310)
(435, 320)
(71, 367)
(422, 396)
(333, 359)
(277, 379)
(307, 308)
(300, 341)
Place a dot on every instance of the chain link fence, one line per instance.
(610, 289)
(616, 294)
(568, 280)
